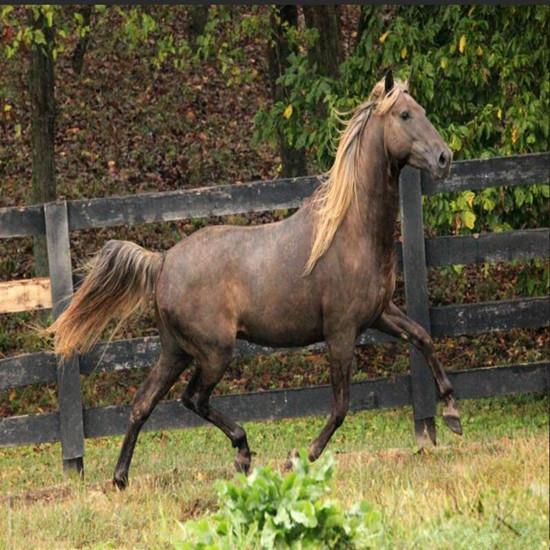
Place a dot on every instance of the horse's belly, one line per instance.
(281, 326)
(286, 339)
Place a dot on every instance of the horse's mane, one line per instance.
(333, 198)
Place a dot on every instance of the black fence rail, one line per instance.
(72, 423)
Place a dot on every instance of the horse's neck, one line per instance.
(373, 217)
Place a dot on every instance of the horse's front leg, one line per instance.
(341, 347)
(393, 321)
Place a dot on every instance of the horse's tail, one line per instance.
(122, 278)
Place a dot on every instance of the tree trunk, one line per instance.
(41, 88)
(197, 19)
(82, 45)
(327, 53)
(293, 160)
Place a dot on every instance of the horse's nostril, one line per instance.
(443, 159)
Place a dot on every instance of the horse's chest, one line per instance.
(372, 293)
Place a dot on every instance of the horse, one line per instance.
(326, 273)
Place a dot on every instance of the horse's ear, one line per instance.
(388, 82)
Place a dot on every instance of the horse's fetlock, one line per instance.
(238, 438)
(120, 480)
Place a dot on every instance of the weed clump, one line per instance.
(270, 511)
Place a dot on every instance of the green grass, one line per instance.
(488, 489)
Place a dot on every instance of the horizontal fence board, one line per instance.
(255, 196)
(489, 316)
(29, 368)
(276, 404)
(135, 353)
(493, 172)
(143, 352)
(138, 353)
(25, 295)
(526, 244)
(495, 381)
(22, 221)
(191, 203)
(267, 405)
(454, 320)
(29, 429)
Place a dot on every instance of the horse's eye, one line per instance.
(405, 115)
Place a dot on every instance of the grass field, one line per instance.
(488, 489)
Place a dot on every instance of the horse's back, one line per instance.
(243, 280)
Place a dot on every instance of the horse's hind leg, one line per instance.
(393, 321)
(196, 398)
(161, 378)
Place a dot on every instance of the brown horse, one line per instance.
(325, 273)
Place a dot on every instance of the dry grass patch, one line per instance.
(488, 489)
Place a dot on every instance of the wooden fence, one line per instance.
(71, 424)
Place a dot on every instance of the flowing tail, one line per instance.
(121, 279)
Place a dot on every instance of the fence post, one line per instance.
(418, 309)
(68, 372)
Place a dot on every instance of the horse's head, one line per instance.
(409, 137)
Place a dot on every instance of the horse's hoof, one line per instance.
(120, 482)
(242, 464)
(453, 422)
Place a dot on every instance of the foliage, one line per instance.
(221, 40)
(481, 73)
(267, 510)
(18, 32)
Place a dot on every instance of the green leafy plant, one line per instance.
(268, 510)
(481, 73)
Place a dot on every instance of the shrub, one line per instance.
(268, 510)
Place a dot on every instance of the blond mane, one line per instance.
(334, 197)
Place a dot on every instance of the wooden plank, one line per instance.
(138, 353)
(68, 371)
(526, 244)
(255, 196)
(416, 295)
(30, 429)
(21, 221)
(457, 320)
(276, 404)
(190, 203)
(507, 380)
(254, 406)
(34, 368)
(25, 295)
(493, 172)
(30, 368)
